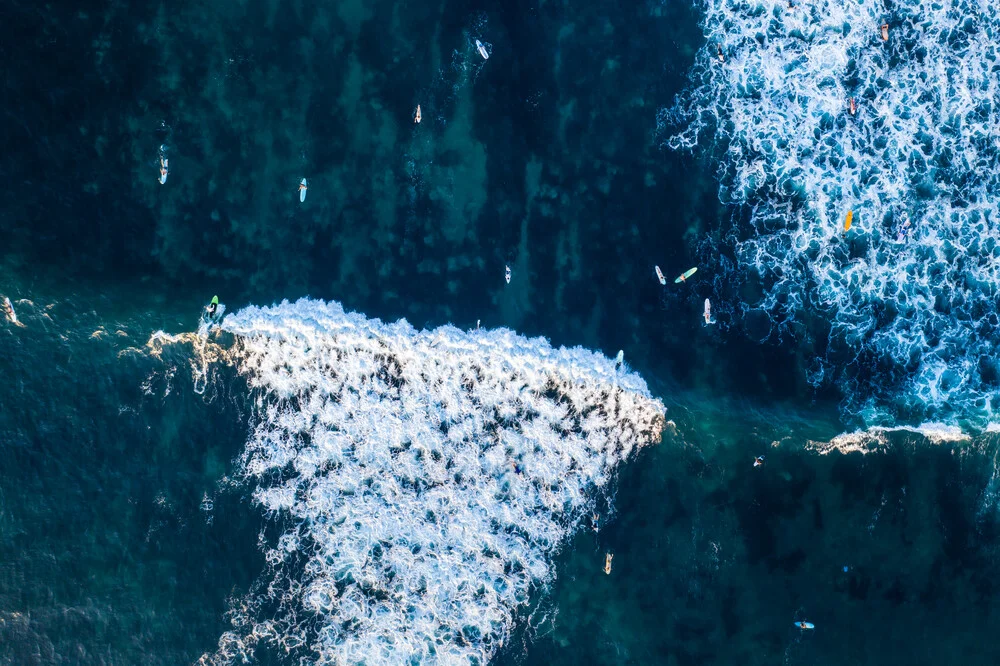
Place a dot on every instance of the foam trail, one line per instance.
(919, 301)
(422, 480)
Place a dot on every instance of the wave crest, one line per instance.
(421, 480)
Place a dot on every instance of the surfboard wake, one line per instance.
(419, 481)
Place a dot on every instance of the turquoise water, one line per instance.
(129, 532)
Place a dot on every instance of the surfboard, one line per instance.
(215, 300)
(302, 191)
(482, 50)
(804, 625)
(848, 220)
(659, 275)
(685, 275)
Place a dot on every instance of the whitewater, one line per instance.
(901, 310)
(417, 482)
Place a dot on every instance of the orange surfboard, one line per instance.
(848, 220)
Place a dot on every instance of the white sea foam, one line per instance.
(923, 307)
(420, 480)
(875, 438)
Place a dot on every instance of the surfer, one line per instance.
(904, 229)
(506, 273)
(594, 518)
(659, 275)
(482, 50)
(722, 57)
(607, 563)
(758, 461)
(619, 359)
(685, 275)
(416, 117)
(163, 169)
(302, 191)
(885, 32)
(805, 625)
(213, 306)
(852, 105)
(8, 310)
(708, 313)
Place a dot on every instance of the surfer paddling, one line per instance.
(213, 306)
(303, 186)
(417, 116)
(607, 563)
(722, 56)
(659, 275)
(852, 105)
(884, 29)
(805, 625)
(685, 275)
(708, 313)
(758, 461)
(8, 311)
(506, 273)
(482, 50)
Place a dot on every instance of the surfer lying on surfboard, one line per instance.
(213, 306)
(659, 275)
(482, 50)
(708, 313)
(302, 191)
(805, 625)
(685, 275)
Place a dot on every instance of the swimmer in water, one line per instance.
(885, 32)
(607, 563)
(852, 105)
(758, 461)
(416, 118)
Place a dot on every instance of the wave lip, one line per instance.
(421, 480)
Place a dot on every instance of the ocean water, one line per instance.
(380, 452)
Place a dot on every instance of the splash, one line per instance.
(419, 481)
(907, 298)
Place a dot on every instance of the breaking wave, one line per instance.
(419, 482)
(903, 316)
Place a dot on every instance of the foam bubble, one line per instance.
(421, 480)
(912, 313)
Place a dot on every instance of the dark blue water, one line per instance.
(123, 538)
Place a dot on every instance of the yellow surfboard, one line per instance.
(848, 220)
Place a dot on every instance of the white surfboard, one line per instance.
(302, 191)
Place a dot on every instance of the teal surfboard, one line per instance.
(685, 275)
